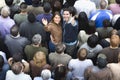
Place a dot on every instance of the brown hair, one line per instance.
(81, 55)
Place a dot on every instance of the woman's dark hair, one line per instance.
(82, 21)
(117, 1)
(47, 7)
(92, 41)
(1, 62)
(91, 28)
(9, 2)
(31, 17)
(60, 72)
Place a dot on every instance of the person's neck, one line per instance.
(113, 47)
(36, 45)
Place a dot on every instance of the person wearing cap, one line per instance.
(31, 49)
(115, 68)
(100, 71)
(45, 75)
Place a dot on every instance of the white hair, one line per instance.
(5, 11)
(46, 74)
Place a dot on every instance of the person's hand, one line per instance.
(44, 21)
(73, 20)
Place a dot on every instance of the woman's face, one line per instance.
(57, 19)
(66, 15)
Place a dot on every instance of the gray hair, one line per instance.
(36, 39)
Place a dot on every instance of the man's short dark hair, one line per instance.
(14, 30)
(31, 17)
(92, 41)
(47, 7)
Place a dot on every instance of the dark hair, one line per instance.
(72, 10)
(36, 3)
(14, 30)
(47, 7)
(60, 72)
(23, 6)
(92, 41)
(9, 2)
(80, 55)
(1, 62)
(106, 23)
(31, 17)
(17, 67)
(60, 48)
(17, 57)
(82, 21)
(101, 62)
(91, 28)
(117, 1)
(57, 6)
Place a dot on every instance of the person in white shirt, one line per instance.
(16, 73)
(86, 6)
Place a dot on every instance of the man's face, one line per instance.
(66, 15)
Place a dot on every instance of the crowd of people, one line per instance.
(60, 40)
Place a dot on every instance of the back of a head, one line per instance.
(23, 7)
(40, 59)
(57, 6)
(103, 4)
(60, 48)
(17, 68)
(17, 57)
(14, 30)
(101, 61)
(45, 74)
(36, 3)
(9, 2)
(47, 7)
(31, 17)
(92, 41)
(5, 11)
(91, 27)
(117, 1)
(83, 20)
(36, 39)
(73, 10)
(60, 72)
(1, 62)
(82, 54)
